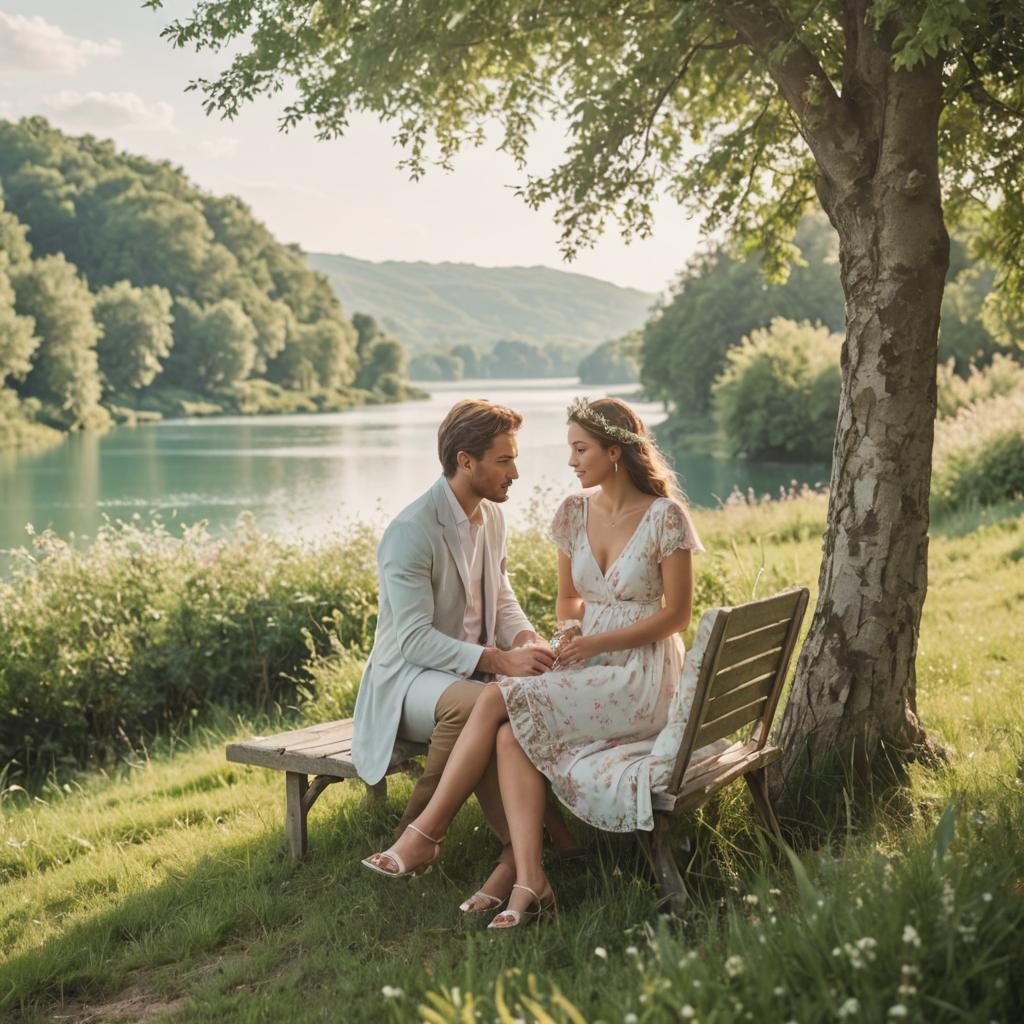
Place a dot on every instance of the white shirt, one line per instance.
(472, 539)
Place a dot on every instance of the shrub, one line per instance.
(979, 454)
(146, 632)
(1002, 376)
(778, 397)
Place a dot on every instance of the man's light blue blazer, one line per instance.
(424, 590)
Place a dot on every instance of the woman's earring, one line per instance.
(616, 464)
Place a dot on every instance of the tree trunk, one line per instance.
(855, 686)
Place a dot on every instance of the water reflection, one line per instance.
(305, 475)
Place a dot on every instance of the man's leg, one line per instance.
(451, 713)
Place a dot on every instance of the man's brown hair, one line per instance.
(471, 427)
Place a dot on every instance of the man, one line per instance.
(448, 618)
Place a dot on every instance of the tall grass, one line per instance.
(160, 886)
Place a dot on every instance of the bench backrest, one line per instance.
(742, 673)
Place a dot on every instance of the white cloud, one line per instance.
(104, 112)
(35, 44)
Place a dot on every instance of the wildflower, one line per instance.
(687, 1012)
(897, 1011)
(910, 936)
(987, 897)
(779, 991)
(734, 966)
(948, 899)
(849, 1009)
(751, 899)
(390, 992)
(774, 892)
(630, 1018)
(601, 952)
(632, 951)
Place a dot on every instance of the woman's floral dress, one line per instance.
(591, 728)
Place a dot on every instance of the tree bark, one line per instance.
(855, 685)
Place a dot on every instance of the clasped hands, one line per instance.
(536, 656)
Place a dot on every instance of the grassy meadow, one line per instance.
(150, 881)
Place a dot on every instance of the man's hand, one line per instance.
(520, 661)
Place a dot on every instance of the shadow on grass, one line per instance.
(244, 933)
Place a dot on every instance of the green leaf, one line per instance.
(945, 831)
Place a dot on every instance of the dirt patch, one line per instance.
(135, 1004)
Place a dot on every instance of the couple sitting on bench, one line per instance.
(457, 664)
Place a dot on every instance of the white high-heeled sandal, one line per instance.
(495, 903)
(528, 916)
(396, 859)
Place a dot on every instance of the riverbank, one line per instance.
(21, 430)
(159, 885)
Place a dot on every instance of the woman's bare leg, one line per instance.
(524, 793)
(466, 765)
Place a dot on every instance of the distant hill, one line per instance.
(432, 306)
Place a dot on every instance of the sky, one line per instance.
(100, 66)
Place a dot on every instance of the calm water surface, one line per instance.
(306, 475)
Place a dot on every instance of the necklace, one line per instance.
(619, 515)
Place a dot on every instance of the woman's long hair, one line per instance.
(647, 466)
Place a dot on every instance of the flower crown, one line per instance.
(586, 415)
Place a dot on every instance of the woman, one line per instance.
(625, 592)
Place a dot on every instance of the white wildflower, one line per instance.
(987, 897)
(849, 1009)
(751, 899)
(897, 1011)
(734, 966)
(687, 1012)
(948, 899)
(774, 892)
(632, 951)
(779, 990)
(910, 936)
(390, 992)
(601, 952)
(630, 1018)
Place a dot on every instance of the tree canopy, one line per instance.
(899, 118)
(709, 101)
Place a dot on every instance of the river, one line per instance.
(306, 475)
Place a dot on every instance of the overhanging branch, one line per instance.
(824, 121)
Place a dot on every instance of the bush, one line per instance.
(778, 397)
(979, 454)
(145, 633)
(1002, 376)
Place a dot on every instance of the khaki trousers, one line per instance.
(452, 711)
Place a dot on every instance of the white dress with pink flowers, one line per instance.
(590, 728)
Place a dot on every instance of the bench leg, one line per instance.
(377, 794)
(757, 783)
(657, 845)
(295, 785)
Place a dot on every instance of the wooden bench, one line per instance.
(323, 751)
(739, 681)
(742, 670)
